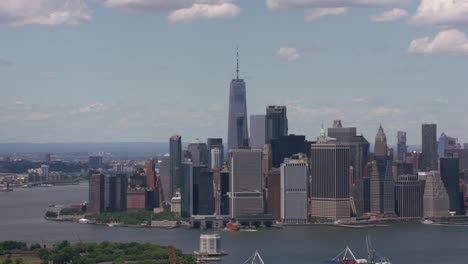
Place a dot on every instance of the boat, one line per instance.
(347, 256)
(233, 226)
(83, 221)
(427, 222)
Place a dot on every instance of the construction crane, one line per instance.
(172, 255)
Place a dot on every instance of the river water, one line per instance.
(21, 218)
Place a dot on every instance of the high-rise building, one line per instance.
(380, 147)
(286, 146)
(115, 193)
(216, 158)
(409, 196)
(382, 189)
(274, 194)
(246, 183)
(294, 184)
(450, 175)
(216, 143)
(199, 153)
(224, 192)
(436, 202)
(186, 189)
(238, 134)
(45, 172)
(202, 192)
(150, 174)
(276, 123)
(429, 147)
(446, 143)
(95, 162)
(96, 194)
(331, 181)
(257, 131)
(402, 148)
(175, 148)
(461, 154)
(165, 176)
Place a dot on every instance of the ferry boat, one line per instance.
(233, 226)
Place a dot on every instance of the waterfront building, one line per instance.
(436, 201)
(294, 184)
(199, 154)
(274, 194)
(450, 175)
(246, 183)
(286, 146)
(202, 191)
(330, 179)
(186, 189)
(115, 193)
(96, 194)
(257, 131)
(276, 123)
(45, 172)
(136, 199)
(175, 148)
(402, 148)
(216, 143)
(238, 134)
(409, 196)
(210, 244)
(95, 162)
(429, 147)
(150, 174)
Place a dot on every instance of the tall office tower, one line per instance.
(175, 149)
(216, 158)
(286, 146)
(246, 183)
(95, 162)
(429, 147)
(402, 168)
(449, 174)
(216, 143)
(238, 134)
(274, 194)
(461, 154)
(445, 144)
(257, 131)
(436, 201)
(330, 186)
(199, 154)
(294, 184)
(186, 189)
(96, 194)
(276, 123)
(380, 147)
(224, 189)
(402, 148)
(203, 193)
(150, 174)
(382, 190)
(45, 172)
(409, 196)
(414, 158)
(115, 193)
(165, 176)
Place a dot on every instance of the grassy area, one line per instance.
(133, 218)
(21, 259)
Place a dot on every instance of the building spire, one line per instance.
(237, 70)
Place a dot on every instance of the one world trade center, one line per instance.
(237, 127)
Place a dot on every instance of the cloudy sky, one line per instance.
(142, 70)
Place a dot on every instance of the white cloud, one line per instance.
(449, 41)
(39, 116)
(441, 12)
(385, 111)
(197, 11)
(92, 108)
(316, 13)
(391, 15)
(274, 4)
(43, 12)
(148, 5)
(288, 53)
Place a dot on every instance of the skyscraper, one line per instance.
(216, 143)
(382, 190)
(380, 147)
(409, 196)
(246, 183)
(238, 134)
(175, 144)
(257, 131)
(294, 184)
(429, 147)
(330, 186)
(199, 154)
(450, 175)
(150, 174)
(203, 194)
(186, 189)
(402, 148)
(436, 201)
(276, 123)
(216, 158)
(286, 146)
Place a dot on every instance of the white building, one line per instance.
(210, 244)
(176, 202)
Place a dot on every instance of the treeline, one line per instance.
(90, 253)
(133, 218)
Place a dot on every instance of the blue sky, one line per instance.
(142, 70)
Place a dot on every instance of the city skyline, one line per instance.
(143, 82)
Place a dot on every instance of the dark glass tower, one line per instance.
(402, 148)
(429, 147)
(237, 121)
(276, 123)
(175, 145)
